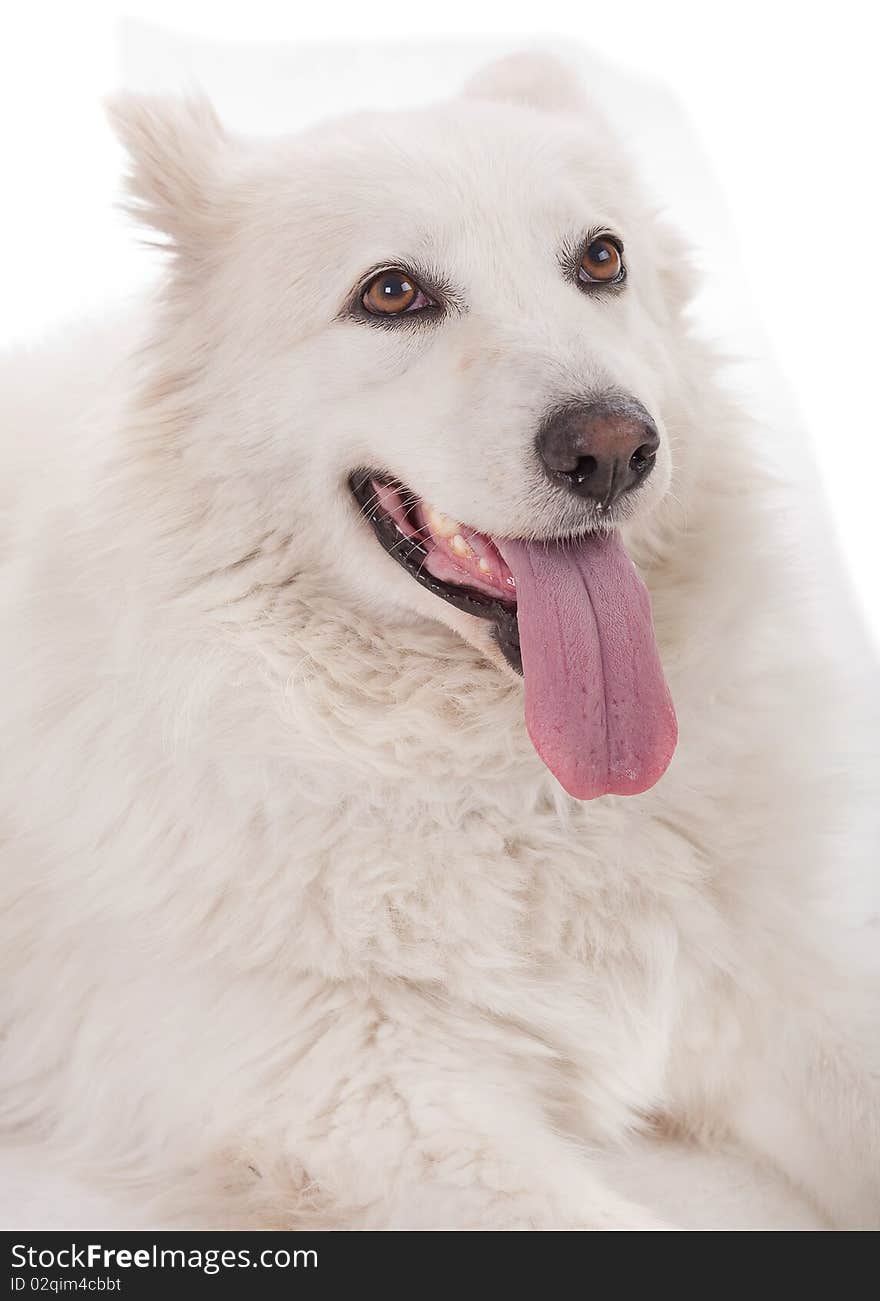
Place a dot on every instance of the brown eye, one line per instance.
(393, 293)
(601, 263)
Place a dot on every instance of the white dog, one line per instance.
(315, 911)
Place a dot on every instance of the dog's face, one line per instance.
(422, 339)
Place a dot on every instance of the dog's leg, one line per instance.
(408, 1113)
(810, 1105)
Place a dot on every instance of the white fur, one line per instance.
(297, 929)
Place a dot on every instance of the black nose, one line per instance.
(599, 450)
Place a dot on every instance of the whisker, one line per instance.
(408, 499)
(426, 534)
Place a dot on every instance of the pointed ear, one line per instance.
(176, 149)
(534, 80)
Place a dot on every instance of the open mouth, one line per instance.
(571, 614)
(454, 562)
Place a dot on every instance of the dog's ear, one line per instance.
(534, 80)
(677, 266)
(176, 149)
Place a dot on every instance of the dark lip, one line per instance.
(412, 556)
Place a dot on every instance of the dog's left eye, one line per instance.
(394, 293)
(602, 262)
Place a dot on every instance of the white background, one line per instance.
(782, 99)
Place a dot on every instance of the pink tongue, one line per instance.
(597, 706)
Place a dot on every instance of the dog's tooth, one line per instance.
(439, 524)
(461, 548)
(484, 566)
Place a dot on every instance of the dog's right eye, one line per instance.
(394, 293)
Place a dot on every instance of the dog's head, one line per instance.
(439, 346)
